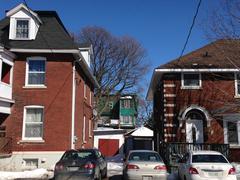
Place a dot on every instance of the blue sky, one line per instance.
(161, 26)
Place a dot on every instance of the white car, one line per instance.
(114, 165)
(144, 165)
(204, 165)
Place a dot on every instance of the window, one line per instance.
(126, 103)
(90, 98)
(35, 75)
(191, 80)
(208, 158)
(126, 119)
(84, 130)
(22, 29)
(33, 123)
(231, 132)
(6, 73)
(237, 84)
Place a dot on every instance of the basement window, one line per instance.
(191, 80)
(6, 73)
(30, 164)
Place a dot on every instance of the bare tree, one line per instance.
(118, 63)
(223, 22)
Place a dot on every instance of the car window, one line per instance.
(78, 155)
(205, 158)
(144, 156)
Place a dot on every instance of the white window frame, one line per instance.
(236, 85)
(225, 130)
(27, 72)
(11, 72)
(90, 128)
(191, 87)
(24, 122)
(15, 28)
(84, 129)
(90, 98)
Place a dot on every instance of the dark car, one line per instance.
(81, 164)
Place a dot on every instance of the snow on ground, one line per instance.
(34, 174)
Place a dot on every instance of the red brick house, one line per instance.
(46, 90)
(196, 98)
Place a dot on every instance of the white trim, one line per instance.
(24, 123)
(22, 6)
(169, 105)
(73, 51)
(192, 107)
(85, 90)
(169, 85)
(73, 107)
(33, 58)
(170, 125)
(36, 152)
(236, 85)
(169, 95)
(90, 127)
(169, 115)
(84, 129)
(197, 70)
(191, 87)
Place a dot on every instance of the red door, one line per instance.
(108, 147)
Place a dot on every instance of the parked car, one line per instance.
(144, 165)
(115, 165)
(81, 164)
(199, 165)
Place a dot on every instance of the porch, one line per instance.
(170, 152)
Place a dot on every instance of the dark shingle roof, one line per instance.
(51, 34)
(218, 54)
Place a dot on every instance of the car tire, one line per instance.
(185, 178)
(104, 173)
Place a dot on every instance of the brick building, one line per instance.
(46, 90)
(196, 98)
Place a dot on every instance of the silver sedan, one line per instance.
(144, 165)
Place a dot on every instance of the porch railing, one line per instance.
(5, 146)
(170, 152)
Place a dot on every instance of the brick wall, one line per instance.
(216, 91)
(56, 99)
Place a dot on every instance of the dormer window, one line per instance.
(24, 23)
(22, 29)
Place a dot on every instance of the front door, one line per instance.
(194, 131)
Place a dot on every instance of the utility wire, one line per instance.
(190, 30)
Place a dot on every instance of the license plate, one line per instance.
(147, 178)
(214, 174)
(73, 168)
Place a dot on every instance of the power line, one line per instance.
(190, 30)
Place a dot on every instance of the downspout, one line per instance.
(73, 107)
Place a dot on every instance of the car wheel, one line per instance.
(104, 173)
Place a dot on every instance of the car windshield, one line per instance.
(78, 155)
(208, 158)
(116, 158)
(144, 156)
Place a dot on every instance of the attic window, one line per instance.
(22, 29)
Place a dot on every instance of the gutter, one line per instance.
(73, 107)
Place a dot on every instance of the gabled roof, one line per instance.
(218, 54)
(51, 34)
(25, 8)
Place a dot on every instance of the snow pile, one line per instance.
(34, 174)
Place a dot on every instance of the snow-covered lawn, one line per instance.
(34, 174)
